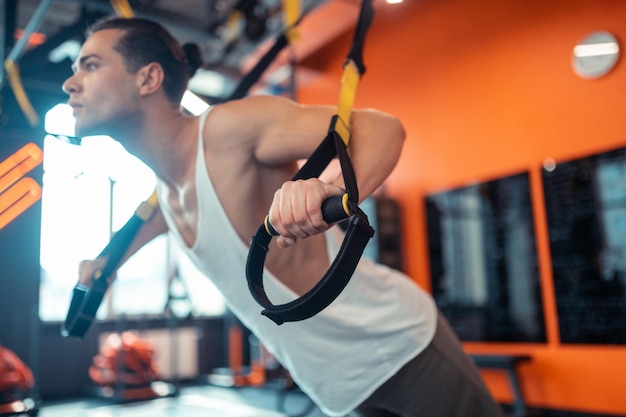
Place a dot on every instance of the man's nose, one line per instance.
(70, 85)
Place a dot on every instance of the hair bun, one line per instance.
(194, 57)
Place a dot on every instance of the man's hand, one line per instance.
(296, 212)
(87, 268)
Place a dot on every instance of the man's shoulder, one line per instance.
(241, 122)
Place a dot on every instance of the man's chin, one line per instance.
(81, 130)
(112, 126)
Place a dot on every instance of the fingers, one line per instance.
(296, 212)
(87, 269)
(297, 209)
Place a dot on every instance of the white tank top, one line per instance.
(339, 357)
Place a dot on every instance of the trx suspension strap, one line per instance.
(291, 17)
(86, 299)
(334, 209)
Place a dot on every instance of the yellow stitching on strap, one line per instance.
(13, 73)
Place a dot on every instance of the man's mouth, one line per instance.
(75, 107)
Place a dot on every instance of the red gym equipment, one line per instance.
(125, 368)
(16, 379)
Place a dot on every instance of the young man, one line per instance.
(380, 348)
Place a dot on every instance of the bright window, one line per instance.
(90, 190)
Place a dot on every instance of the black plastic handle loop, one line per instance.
(83, 308)
(328, 287)
(340, 272)
(86, 300)
(358, 232)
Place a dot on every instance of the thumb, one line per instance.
(285, 242)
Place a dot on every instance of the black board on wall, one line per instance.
(586, 212)
(483, 260)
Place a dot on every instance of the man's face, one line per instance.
(102, 92)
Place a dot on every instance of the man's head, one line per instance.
(123, 65)
(144, 41)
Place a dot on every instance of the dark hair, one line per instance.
(145, 41)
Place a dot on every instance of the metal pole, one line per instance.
(31, 27)
(7, 23)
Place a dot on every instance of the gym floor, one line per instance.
(215, 401)
(197, 401)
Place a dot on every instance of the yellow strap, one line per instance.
(153, 200)
(146, 209)
(13, 74)
(349, 83)
(122, 8)
(291, 15)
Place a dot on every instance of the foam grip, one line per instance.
(334, 209)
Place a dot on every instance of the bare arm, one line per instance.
(148, 231)
(282, 131)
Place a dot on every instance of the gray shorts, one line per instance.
(442, 381)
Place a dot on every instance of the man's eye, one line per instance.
(90, 66)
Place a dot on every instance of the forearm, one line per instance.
(374, 148)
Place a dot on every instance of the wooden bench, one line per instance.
(508, 364)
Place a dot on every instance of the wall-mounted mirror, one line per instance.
(595, 55)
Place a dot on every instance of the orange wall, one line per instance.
(485, 88)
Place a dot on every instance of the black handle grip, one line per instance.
(87, 299)
(333, 210)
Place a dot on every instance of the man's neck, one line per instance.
(167, 143)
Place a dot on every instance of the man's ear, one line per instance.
(150, 78)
